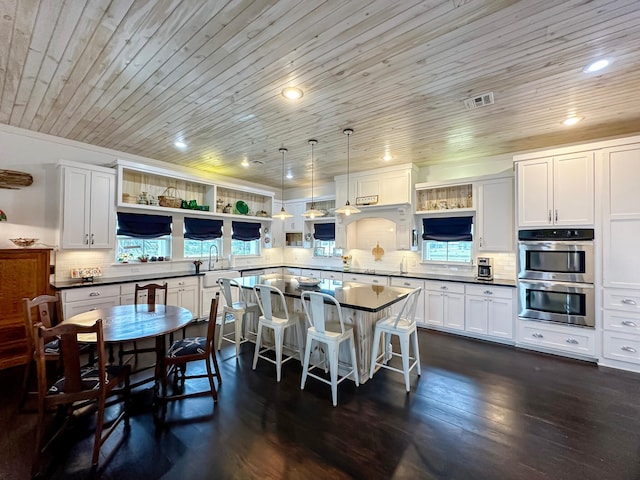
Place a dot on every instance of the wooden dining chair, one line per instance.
(184, 352)
(79, 387)
(153, 293)
(45, 310)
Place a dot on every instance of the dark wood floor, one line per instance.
(479, 411)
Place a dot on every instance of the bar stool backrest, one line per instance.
(265, 300)
(315, 309)
(408, 310)
(226, 285)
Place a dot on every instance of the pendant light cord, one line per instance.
(348, 132)
(312, 142)
(283, 150)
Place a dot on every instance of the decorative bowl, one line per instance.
(24, 242)
(308, 281)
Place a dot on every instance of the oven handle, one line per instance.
(556, 243)
(550, 285)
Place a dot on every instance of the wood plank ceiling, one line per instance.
(137, 75)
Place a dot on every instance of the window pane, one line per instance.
(202, 248)
(435, 251)
(129, 248)
(239, 247)
(324, 248)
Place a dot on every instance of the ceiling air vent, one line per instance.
(479, 101)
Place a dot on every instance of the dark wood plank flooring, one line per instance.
(478, 411)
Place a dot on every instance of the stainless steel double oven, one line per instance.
(555, 276)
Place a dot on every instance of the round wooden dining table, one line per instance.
(127, 323)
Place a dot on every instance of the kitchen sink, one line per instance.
(210, 278)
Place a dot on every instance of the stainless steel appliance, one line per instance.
(560, 302)
(558, 255)
(555, 276)
(485, 268)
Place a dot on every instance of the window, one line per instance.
(324, 244)
(325, 248)
(202, 238)
(143, 237)
(447, 239)
(245, 238)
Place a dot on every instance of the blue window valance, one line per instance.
(143, 226)
(324, 231)
(245, 231)
(447, 229)
(202, 228)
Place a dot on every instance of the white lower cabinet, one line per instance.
(559, 339)
(489, 311)
(444, 305)
(330, 275)
(183, 292)
(84, 299)
(364, 278)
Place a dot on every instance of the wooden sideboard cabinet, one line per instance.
(24, 273)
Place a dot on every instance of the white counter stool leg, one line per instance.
(277, 320)
(404, 326)
(236, 312)
(331, 334)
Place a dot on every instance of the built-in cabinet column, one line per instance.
(621, 257)
(88, 207)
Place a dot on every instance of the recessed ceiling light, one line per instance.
(245, 163)
(292, 93)
(289, 176)
(180, 144)
(387, 157)
(597, 65)
(572, 121)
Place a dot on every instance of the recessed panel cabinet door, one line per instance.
(102, 217)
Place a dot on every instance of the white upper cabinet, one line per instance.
(295, 223)
(88, 207)
(495, 215)
(556, 190)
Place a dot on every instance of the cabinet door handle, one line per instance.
(537, 335)
(92, 239)
(628, 301)
(628, 349)
(86, 239)
(572, 341)
(549, 216)
(556, 214)
(480, 241)
(628, 323)
(94, 294)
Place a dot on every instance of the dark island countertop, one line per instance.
(358, 296)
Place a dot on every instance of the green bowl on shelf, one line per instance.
(242, 207)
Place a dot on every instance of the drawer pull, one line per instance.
(628, 301)
(628, 349)
(444, 287)
(488, 292)
(180, 283)
(375, 281)
(537, 335)
(572, 341)
(94, 294)
(407, 284)
(628, 323)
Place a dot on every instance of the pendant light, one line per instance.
(282, 214)
(347, 209)
(312, 212)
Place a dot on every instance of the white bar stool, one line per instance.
(278, 320)
(332, 334)
(235, 312)
(404, 326)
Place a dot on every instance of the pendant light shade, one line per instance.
(312, 212)
(282, 214)
(348, 209)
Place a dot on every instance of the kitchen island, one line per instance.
(362, 306)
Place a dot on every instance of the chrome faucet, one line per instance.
(216, 258)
